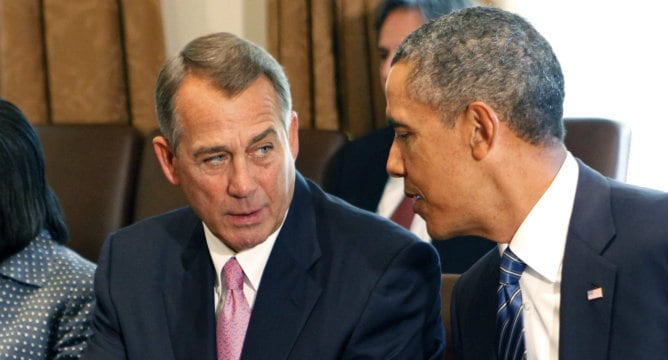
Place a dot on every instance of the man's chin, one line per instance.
(439, 233)
(245, 238)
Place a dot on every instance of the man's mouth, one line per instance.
(246, 217)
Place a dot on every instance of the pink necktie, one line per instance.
(234, 316)
(403, 215)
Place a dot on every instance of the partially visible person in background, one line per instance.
(46, 289)
(357, 172)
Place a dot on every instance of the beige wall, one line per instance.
(185, 20)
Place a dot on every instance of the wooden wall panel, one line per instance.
(22, 75)
(86, 75)
(145, 55)
(84, 61)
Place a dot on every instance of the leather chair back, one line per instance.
(155, 195)
(602, 144)
(92, 170)
(316, 148)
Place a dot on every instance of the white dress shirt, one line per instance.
(252, 262)
(540, 242)
(393, 195)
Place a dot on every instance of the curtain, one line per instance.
(327, 48)
(84, 61)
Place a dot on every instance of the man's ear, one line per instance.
(166, 158)
(485, 128)
(294, 134)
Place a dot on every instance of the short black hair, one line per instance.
(490, 55)
(28, 206)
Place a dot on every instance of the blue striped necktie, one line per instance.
(509, 326)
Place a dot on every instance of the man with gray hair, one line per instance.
(262, 264)
(476, 102)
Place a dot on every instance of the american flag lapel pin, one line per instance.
(595, 293)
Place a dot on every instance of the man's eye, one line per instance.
(215, 159)
(401, 135)
(262, 151)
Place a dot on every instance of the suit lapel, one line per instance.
(188, 297)
(486, 318)
(585, 322)
(473, 309)
(287, 292)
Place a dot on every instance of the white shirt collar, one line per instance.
(252, 261)
(393, 194)
(541, 238)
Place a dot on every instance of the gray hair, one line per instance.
(230, 63)
(489, 55)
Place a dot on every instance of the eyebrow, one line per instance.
(222, 148)
(269, 131)
(395, 123)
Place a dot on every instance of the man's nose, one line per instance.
(395, 162)
(242, 181)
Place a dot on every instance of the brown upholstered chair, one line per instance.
(601, 143)
(316, 148)
(155, 194)
(91, 168)
(447, 283)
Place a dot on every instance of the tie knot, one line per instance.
(234, 276)
(511, 268)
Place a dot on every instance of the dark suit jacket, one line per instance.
(617, 240)
(357, 174)
(340, 283)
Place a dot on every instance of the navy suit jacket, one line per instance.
(357, 174)
(617, 240)
(340, 283)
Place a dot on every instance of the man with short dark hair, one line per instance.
(476, 99)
